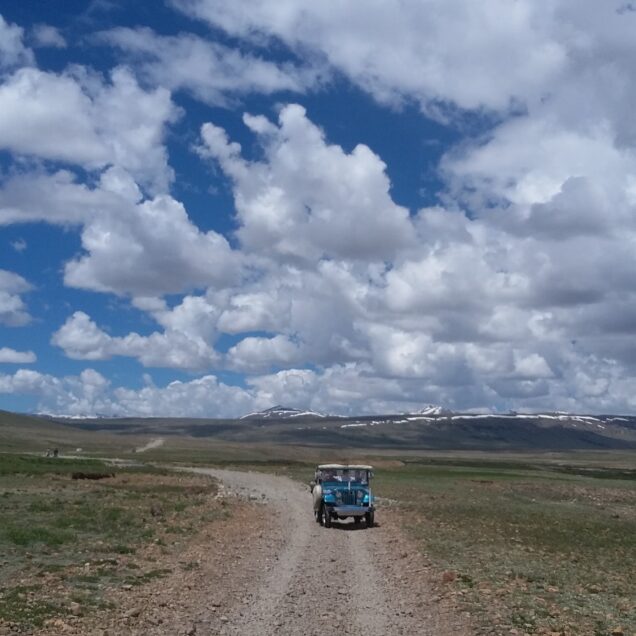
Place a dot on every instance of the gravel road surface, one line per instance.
(312, 580)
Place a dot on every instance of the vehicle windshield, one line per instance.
(345, 475)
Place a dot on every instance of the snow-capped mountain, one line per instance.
(279, 412)
(433, 409)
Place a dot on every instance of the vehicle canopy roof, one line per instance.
(344, 467)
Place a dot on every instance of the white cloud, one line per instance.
(472, 55)
(154, 250)
(8, 355)
(26, 382)
(131, 246)
(517, 290)
(309, 199)
(91, 393)
(85, 394)
(197, 398)
(13, 312)
(46, 35)
(82, 339)
(13, 52)
(78, 118)
(253, 354)
(212, 72)
(55, 198)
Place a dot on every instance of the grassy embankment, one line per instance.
(64, 543)
(533, 548)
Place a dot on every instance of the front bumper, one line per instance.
(351, 511)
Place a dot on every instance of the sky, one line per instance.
(208, 208)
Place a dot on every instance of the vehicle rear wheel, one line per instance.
(369, 517)
(357, 520)
(326, 517)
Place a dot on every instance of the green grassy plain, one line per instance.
(528, 546)
(529, 543)
(65, 541)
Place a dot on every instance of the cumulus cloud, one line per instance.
(212, 72)
(156, 251)
(84, 394)
(8, 355)
(309, 198)
(13, 52)
(79, 118)
(131, 245)
(253, 354)
(13, 312)
(82, 339)
(515, 291)
(56, 198)
(91, 393)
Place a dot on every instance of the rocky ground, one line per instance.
(271, 569)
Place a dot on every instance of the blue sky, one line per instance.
(210, 208)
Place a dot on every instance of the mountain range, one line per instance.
(433, 427)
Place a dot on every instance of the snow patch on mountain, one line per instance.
(279, 412)
(433, 409)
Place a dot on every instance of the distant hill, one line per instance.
(433, 428)
(283, 413)
(33, 433)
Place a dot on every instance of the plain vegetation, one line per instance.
(64, 543)
(527, 543)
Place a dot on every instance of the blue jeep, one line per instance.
(341, 491)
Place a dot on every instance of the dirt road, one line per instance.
(267, 568)
(312, 580)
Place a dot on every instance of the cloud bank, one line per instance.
(515, 290)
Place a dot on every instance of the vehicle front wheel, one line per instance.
(369, 517)
(318, 516)
(326, 517)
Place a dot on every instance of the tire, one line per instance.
(319, 518)
(326, 517)
(357, 520)
(369, 517)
